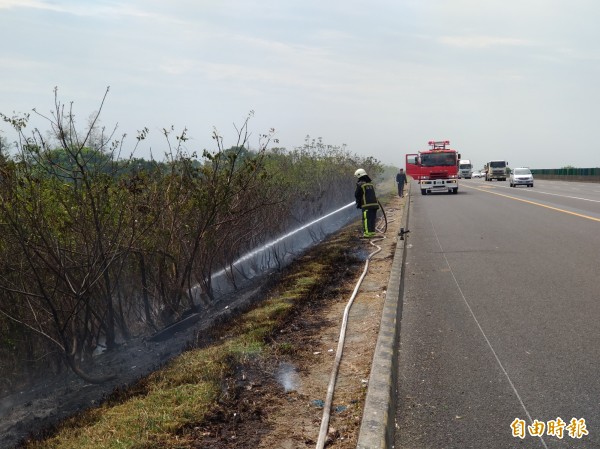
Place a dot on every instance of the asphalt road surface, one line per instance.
(500, 330)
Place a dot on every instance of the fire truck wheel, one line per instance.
(455, 191)
(423, 191)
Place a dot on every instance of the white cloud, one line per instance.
(8, 4)
(17, 64)
(97, 9)
(484, 41)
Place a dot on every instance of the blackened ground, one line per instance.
(38, 409)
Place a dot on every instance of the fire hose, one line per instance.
(381, 228)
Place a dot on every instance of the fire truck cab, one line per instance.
(436, 169)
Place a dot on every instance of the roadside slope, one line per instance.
(275, 399)
(295, 420)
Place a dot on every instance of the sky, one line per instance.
(512, 80)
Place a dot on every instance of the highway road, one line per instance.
(500, 329)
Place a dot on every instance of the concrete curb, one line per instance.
(378, 422)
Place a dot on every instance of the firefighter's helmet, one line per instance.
(360, 173)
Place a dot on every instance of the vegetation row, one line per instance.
(96, 249)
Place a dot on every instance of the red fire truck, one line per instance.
(436, 169)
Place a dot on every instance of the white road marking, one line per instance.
(535, 191)
(489, 344)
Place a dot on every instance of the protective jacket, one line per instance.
(365, 194)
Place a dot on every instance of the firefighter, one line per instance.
(367, 201)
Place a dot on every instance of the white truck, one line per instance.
(496, 169)
(465, 169)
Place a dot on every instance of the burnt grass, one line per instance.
(238, 421)
(248, 395)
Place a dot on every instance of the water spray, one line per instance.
(272, 243)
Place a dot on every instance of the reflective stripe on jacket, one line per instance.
(365, 195)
